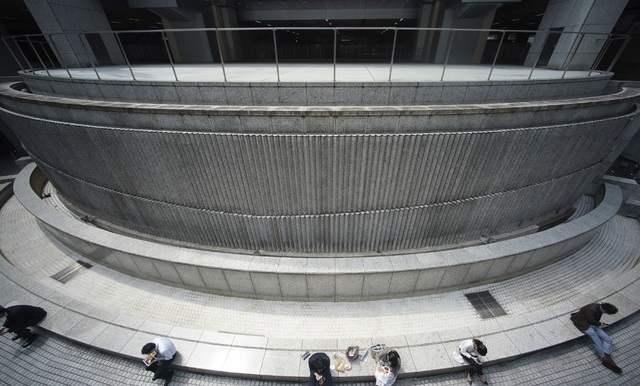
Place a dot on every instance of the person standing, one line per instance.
(320, 368)
(19, 318)
(587, 320)
(472, 350)
(161, 352)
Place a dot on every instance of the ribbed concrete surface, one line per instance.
(325, 193)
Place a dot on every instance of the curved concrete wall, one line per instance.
(315, 279)
(310, 193)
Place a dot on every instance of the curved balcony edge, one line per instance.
(317, 93)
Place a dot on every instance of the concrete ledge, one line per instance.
(315, 279)
(627, 96)
(6, 191)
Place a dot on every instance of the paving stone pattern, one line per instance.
(52, 361)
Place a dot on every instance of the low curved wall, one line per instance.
(315, 279)
(317, 93)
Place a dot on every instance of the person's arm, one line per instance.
(589, 314)
(163, 356)
(9, 324)
(465, 348)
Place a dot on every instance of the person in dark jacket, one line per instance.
(587, 321)
(19, 318)
(319, 365)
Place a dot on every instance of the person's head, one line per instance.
(393, 358)
(480, 347)
(319, 364)
(148, 348)
(608, 308)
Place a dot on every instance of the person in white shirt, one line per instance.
(472, 350)
(387, 368)
(164, 354)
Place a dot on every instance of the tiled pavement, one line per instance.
(53, 361)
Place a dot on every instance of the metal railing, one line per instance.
(38, 52)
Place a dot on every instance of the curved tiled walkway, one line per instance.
(54, 361)
(263, 339)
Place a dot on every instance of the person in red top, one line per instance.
(19, 318)
(587, 321)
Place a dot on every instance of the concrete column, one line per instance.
(426, 19)
(62, 21)
(563, 47)
(188, 46)
(470, 45)
(226, 17)
(185, 46)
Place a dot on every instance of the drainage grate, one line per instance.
(71, 271)
(485, 304)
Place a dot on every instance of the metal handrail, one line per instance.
(579, 36)
(167, 49)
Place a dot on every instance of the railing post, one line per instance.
(221, 55)
(599, 57)
(42, 45)
(12, 54)
(449, 47)
(393, 53)
(38, 56)
(277, 65)
(118, 39)
(89, 57)
(545, 40)
(335, 44)
(60, 58)
(619, 53)
(165, 43)
(567, 62)
(496, 55)
(24, 56)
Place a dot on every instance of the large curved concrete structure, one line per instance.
(311, 180)
(252, 198)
